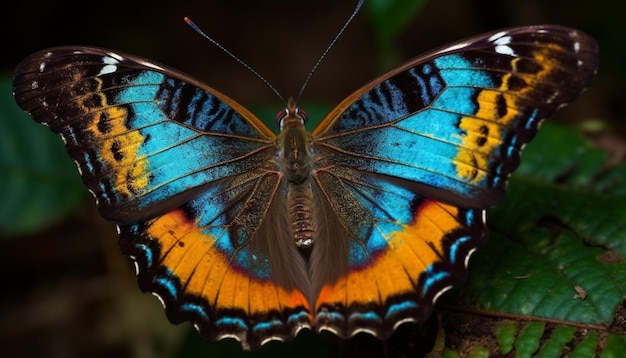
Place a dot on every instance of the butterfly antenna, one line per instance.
(332, 43)
(214, 42)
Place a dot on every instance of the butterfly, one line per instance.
(357, 226)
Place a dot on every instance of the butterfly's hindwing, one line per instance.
(220, 285)
(403, 252)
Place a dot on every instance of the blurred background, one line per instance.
(67, 291)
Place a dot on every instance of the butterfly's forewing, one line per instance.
(452, 123)
(417, 153)
(187, 175)
(128, 123)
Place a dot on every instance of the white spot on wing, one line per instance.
(402, 321)
(107, 69)
(110, 65)
(502, 46)
(80, 171)
(553, 96)
(272, 338)
(93, 194)
(300, 327)
(242, 341)
(470, 253)
(328, 328)
(160, 299)
(577, 47)
(363, 330)
(112, 59)
(438, 294)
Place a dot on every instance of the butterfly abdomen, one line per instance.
(296, 161)
(300, 199)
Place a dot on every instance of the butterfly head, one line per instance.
(291, 115)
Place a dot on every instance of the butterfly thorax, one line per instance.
(295, 160)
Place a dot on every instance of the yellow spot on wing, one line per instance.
(129, 169)
(485, 128)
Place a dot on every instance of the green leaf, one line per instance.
(528, 339)
(554, 347)
(505, 332)
(615, 346)
(39, 184)
(519, 338)
(587, 347)
(556, 251)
